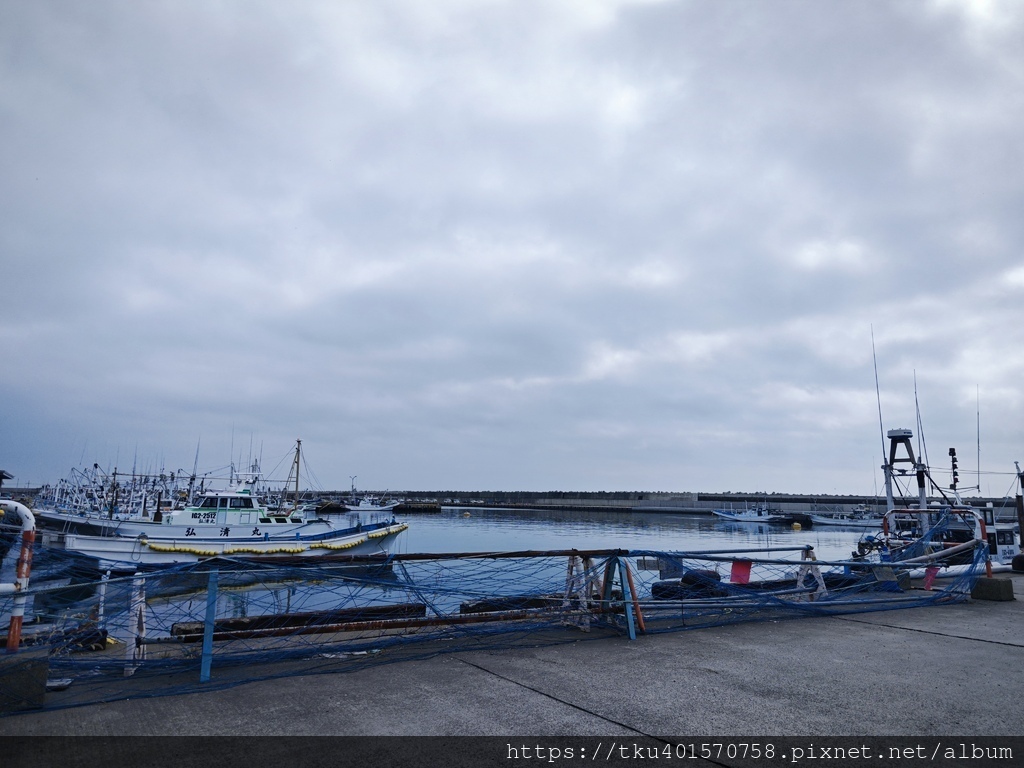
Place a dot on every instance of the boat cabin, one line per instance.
(232, 507)
(1002, 540)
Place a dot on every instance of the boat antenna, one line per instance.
(977, 400)
(195, 471)
(878, 394)
(922, 446)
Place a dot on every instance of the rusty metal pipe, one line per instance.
(24, 569)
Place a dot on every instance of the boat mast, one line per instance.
(1020, 500)
(295, 466)
(898, 438)
(977, 396)
(881, 428)
(113, 500)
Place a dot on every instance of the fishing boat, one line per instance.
(860, 516)
(757, 514)
(94, 502)
(227, 522)
(370, 504)
(232, 523)
(367, 502)
(933, 533)
(317, 538)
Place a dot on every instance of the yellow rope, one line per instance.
(279, 550)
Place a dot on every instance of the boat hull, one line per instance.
(133, 552)
(251, 526)
(750, 517)
(366, 506)
(874, 523)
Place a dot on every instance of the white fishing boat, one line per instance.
(757, 514)
(933, 532)
(92, 501)
(228, 522)
(257, 541)
(367, 502)
(232, 523)
(859, 517)
(370, 504)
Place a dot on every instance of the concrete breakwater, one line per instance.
(666, 502)
(626, 501)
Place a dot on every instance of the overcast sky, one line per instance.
(513, 244)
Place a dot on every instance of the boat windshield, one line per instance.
(226, 502)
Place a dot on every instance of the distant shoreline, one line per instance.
(634, 501)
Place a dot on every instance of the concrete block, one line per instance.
(23, 679)
(992, 589)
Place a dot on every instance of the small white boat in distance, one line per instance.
(757, 514)
(370, 504)
(859, 517)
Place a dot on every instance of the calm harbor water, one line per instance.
(455, 529)
(479, 529)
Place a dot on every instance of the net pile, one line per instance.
(104, 635)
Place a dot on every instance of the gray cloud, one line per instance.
(603, 245)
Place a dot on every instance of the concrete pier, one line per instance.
(944, 671)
